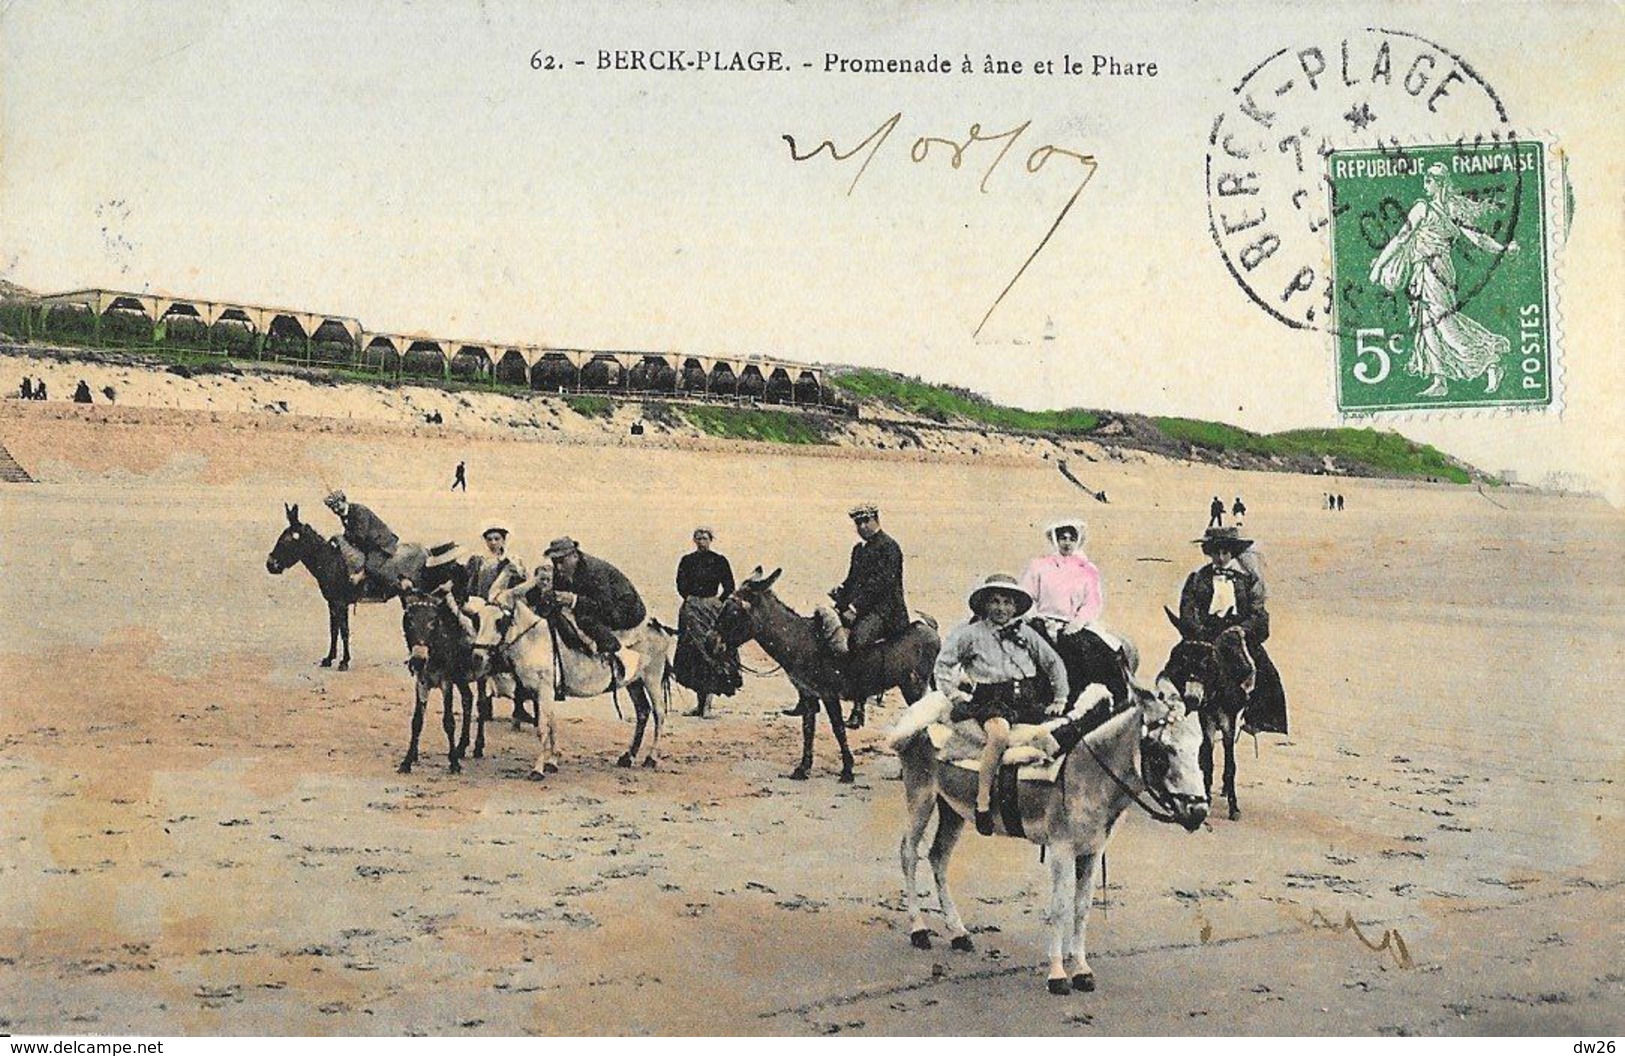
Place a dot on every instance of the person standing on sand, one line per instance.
(461, 480)
(1215, 513)
(27, 390)
(1340, 502)
(39, 390)
(1239, 510)
(702, 661)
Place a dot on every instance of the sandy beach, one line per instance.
(203, 832)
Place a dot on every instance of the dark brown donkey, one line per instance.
(794, 642)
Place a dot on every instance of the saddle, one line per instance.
(572, 636)
(410, 561)
(1036, 750)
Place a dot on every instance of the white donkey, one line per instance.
(539, 658)
(1148, 749)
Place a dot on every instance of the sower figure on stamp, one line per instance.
(869, 604)
(703, 662)
(368, 542)
(1448, 346)
(998, 671)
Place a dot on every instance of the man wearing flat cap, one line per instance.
(603, 600)
(870, 600)
(366, 535)
(1228, 592)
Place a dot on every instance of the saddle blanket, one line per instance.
(1032, 747)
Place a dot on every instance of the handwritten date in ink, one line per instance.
(993, 147)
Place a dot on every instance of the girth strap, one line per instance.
(1006, 795)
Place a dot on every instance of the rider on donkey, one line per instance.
(998, 671)
(1228, 592)
(367, 541)
(869, 604)
(601, 598)
(1067, 603)
(491, 577)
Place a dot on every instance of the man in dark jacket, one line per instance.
(870, 600)
(1228, 592)
(365, 533)
(602, 598)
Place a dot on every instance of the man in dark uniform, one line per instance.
(1215, 512)
(702, 662)
(1227, 593)
(366, 533)
(870, 601)
(599, 594)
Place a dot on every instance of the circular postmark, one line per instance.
(1272, 200)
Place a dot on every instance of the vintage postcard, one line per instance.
(806, 519)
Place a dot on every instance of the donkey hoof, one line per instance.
(921, 939)
(800, 773)
(855, 721)
(550, 768)
(1084, 982)
(649, 763)
(327, 662)
(1060, 987)
(846, 777)
(625, 761)
(344, 665)
(456, 767)
(405, 767)
(1235, 813)
(962, 943)
(534, 775)
(479, 753)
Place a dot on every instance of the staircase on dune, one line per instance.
(10, 471)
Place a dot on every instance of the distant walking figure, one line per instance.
(462, 480)
(1215, 513)
(27, 390)
(1239, 509)
(1331, 503)
(81, 394)
(1340, 502)
(39, 390)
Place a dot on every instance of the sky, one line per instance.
(405, 164)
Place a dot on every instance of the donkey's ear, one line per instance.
(770, 580)
(755, 574)
(293, 512)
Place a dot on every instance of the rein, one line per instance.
(1162, 815)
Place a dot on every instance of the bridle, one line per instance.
(1168, 802)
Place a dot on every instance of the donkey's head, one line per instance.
(1170, 745)
(1217, 674)
(736, 621)
(293, 544)
(431, 629)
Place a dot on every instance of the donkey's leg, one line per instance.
(483, 714)
(1063, 876)
(949, 827)
(651, 707)
(832, 708)
(809, 725)
(640, 706)
(420, 701)
(468, 719)
(1230, 765)
(920, 799)
(448, 722)
(1204, 755)
(344, 636)
(1083, 977)
(547, 741)
(332, 636)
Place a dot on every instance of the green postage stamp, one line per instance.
(1441, 278)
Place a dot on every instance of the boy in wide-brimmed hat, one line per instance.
(996, 671)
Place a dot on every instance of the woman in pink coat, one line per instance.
(1068, 601)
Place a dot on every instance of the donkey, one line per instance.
(1217, 680)
(1146, 748)
(794, 641)
(442, 656)
(550, 669)
(300, 544)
